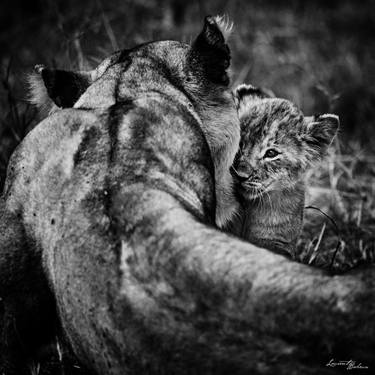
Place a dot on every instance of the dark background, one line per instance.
(320, 54)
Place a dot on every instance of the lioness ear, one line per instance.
(212, 49)
(244, 94)
(63, 87)
(319, 133)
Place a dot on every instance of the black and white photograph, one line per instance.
(187, 187)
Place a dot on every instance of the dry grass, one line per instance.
(342, 187)
(56, 359)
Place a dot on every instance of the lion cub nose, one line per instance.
(242, 171)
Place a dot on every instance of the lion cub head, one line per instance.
(278, 143)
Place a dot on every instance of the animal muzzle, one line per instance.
(243, 172)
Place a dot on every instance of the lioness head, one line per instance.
(197, 71)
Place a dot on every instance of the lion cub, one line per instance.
(278, 146)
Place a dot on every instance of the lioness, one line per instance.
(106, 231)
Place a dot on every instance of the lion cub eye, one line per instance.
(271, 153)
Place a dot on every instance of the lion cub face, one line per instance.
(278, 143)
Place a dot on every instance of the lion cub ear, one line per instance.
(245, 94)
(320, 132)
(61, 86)
(212, 50)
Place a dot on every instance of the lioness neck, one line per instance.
(275, 219)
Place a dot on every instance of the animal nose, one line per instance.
(242, 171)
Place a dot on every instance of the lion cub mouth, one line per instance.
(252, 190)
(247, 188)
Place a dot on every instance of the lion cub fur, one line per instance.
(278, 146)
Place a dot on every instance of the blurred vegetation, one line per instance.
(319, 54)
